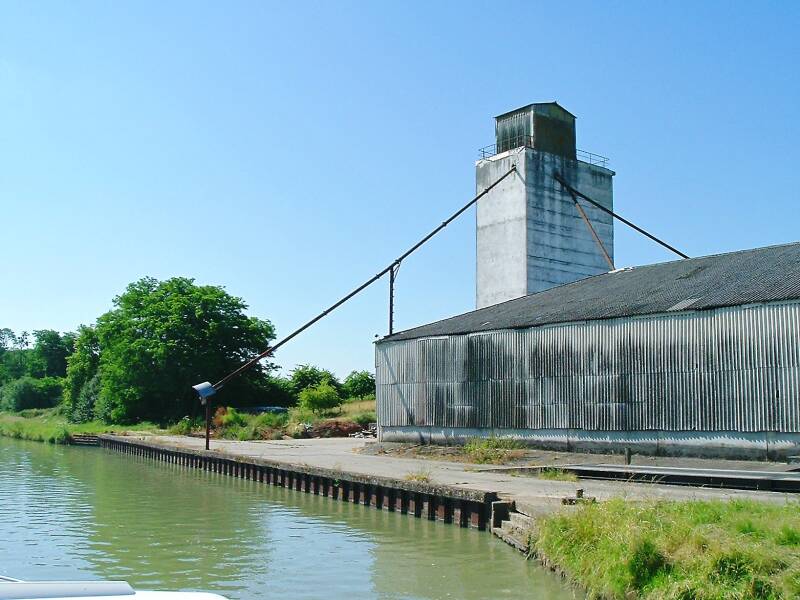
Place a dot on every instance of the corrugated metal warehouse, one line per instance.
(698, 356)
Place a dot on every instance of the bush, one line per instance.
(27, 392)
(365, 418)
(320, 398)
(82, 410)
(233, 418)
(271, 420)
(186, 426)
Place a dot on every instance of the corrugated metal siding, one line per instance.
(728, 369)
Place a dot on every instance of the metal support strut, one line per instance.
(574, 192)
(591, 229)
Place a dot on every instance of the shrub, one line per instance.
(82, 410)
(232, 418)
(61, 435)
(320, 398)
(365, 418)
(27, 392)
(186, 426)
(271, 420)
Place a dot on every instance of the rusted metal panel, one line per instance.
(727, 369)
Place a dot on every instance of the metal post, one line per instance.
(392, 274)
(208, 421)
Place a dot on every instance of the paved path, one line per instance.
(344, 454)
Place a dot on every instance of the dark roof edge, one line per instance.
(508, 112)
(405, 332)
(654, 313)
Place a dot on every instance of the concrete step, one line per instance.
(538, 507)
(512, 529)
(517, 541)
(84, 439)
(521, 521)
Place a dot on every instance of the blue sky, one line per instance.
(288, 151)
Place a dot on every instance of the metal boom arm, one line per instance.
(250, 363)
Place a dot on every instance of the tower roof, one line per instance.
(542, 106)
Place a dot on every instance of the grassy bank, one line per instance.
(677, 550)
(48, 425)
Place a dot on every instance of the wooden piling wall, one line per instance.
(465, 508)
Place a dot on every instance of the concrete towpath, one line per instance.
(346, 454)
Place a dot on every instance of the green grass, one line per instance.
(492, 450)
(48, 425)
(556, 475)
(701, 550)
(419, 476)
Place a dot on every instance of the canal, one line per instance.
(86, 513)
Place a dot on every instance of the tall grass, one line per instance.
(678, 550)
(50, 425)
(492, 450)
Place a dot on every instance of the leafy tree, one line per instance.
(320, 398)
(83, 409)
(164, 336)
(16, 359)
(7, 339)
(82, 367)
(28, 392)
(50, 352)
(359, 384)
(305, 376)
(279, 391)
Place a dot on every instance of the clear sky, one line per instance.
(287, 151)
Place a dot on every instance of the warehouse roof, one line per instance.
(743, 277)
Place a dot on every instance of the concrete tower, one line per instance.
(530, 235)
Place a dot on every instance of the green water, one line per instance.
(87, 513)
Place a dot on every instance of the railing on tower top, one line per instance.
(527, 141)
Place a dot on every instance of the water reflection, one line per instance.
(89, 513)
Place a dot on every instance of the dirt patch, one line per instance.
(335, 428)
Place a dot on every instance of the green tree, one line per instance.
(50, 352)
(359, 384)
(305, 376)
(279, 391)
(82, 367)
(7, 339)
(164, 336)
(28, 392)
(16, 358)
(320, 398)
